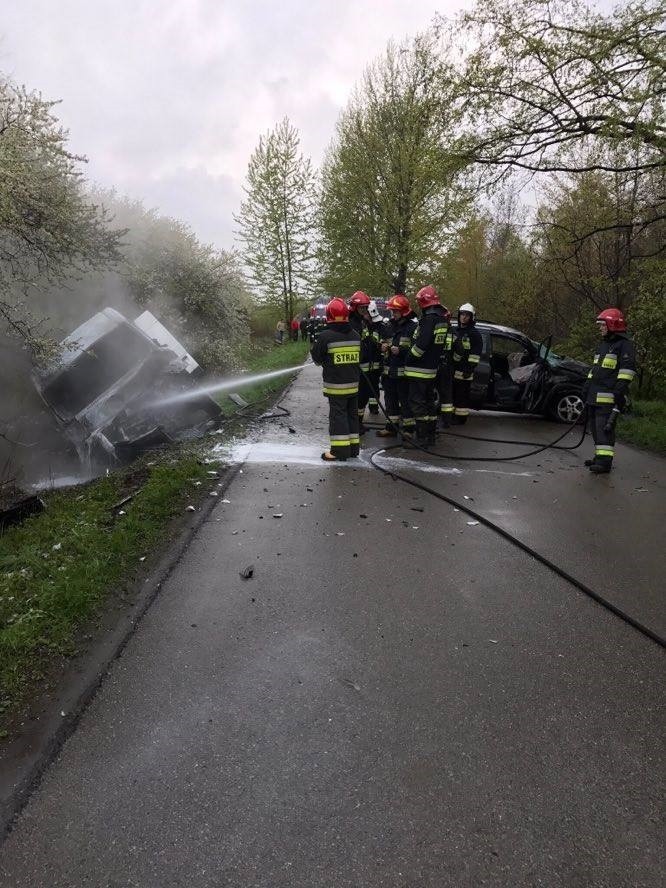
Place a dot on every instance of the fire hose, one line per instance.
(513, 540)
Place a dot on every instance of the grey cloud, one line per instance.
(168, 100)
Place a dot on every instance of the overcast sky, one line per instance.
(168, 99)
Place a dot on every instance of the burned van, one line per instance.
(109, 381)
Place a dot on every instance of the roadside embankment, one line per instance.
(61, 569)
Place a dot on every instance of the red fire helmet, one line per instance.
(399, 303)
(613, 319)
(427, 296)
(336, 311)
(358, 300)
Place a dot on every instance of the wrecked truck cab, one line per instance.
(107, 384)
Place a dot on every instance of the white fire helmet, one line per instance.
(468, 307)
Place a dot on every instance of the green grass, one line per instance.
(57, 568)
(645, 426)
(273, 357)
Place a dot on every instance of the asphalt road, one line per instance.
(394, 698)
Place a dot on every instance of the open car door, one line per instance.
(536, 388)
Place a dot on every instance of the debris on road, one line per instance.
(187, 509)
(248, 572)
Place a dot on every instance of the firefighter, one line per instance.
(369, 329)
(605, 391)
(445, 378)
(395, 348)
(337, 350)
(422, 363)
(465, 356)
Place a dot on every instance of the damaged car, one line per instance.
(106, 387)
(519, 375)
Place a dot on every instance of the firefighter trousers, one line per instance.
(396, 396)
(445, 389)
(604, 442)
(462, 389)
(343, 425)
(368, 390)
(422, 403)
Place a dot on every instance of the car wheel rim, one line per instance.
(570, 408)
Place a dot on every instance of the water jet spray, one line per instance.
(222, 385)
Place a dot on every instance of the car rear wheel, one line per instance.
(566, 407)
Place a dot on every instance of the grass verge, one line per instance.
(58, 568)
(271, 357)
(645, 426)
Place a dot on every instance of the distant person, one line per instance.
(295, 323)
(605, 391)
(280, 329)
(304, 328)
(337, 350)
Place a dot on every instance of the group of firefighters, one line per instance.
(414, 360)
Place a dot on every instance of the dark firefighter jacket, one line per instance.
(613, 368)
(370, 333)
(401, 333)
(466, 351)
(337, 349)
(428, 342)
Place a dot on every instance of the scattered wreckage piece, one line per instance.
(19, 511)
(106, 388)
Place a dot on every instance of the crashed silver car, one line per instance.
(106, 388)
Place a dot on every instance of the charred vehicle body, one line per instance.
(519, 375)
(106, 388)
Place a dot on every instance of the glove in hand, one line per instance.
(620, 401)
(373, 311)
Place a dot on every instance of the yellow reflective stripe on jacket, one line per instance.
(604, 450)
(417, 352)
(605, 398)
(626, 373)
(420, 372)
(609, 362)
(474, 359)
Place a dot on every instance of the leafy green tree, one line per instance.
(647, 320)
(197, 291)
(277, 219)
(390, 191)
(548, 76)
(49, 229)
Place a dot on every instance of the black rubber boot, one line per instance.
(590, 462)
(601, 467)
